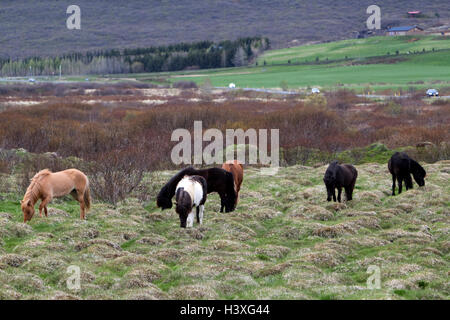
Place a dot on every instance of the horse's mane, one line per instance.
(164, 198)
(32, 193)
(168, 190)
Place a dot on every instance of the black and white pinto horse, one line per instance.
(190, 192)
(401, 166)
(217, 179)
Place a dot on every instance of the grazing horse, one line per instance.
(401, 166)
(217, 179)
(191, 192)
(236, 168)
(46, 185)
(340, 176)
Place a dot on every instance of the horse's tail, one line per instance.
(87, 197)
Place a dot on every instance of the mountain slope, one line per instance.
(39, 27)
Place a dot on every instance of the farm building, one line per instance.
(401, 31)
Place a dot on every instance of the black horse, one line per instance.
(340, 176)
(401, 166)
(217, 180)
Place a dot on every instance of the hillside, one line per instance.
(356, 49)
(416, 70)
(38, 28)
(284, 241)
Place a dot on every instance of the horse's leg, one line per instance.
(43, 205)
(400, 184)
(339, 193)
(198, 214)
(408, 182)
(82, 207)
(222, 204)
(190, 220)
(40, 209)
(334, 194)
(393, 184)
(202, 208)
(348, 195)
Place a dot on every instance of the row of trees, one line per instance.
(198, 55)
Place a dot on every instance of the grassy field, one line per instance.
(355, 49)
(284, 241)
(367, 69)
(361, 73)
(422, 71)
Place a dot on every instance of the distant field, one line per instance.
(418, 71)
(367, 67)
(355, 48)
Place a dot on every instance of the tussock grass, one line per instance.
(284, 241)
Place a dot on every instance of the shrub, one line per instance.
(114, 175)
(185, 85)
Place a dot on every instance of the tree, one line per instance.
(240, 58)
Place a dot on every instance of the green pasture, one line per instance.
(356, 49)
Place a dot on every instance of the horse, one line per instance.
(401, 166)
(340, 176)
(46, 185)
(190, 192)
(236, 168)
(217, 180)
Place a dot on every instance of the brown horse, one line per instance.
(46, 185)
(236, 168)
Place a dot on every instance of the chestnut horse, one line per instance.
(46, 185)
(236, 168)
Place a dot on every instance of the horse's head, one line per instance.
(418, 172)
(183, 206)
(330, 190)
(230, 201)
(27, 209)
(330, 179)
(420, 177)
(230, 195)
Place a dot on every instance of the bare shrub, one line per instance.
(32, 164)
(185, 85)
(114, 175)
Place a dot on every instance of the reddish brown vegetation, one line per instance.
(96, 131)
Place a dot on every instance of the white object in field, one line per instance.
(315, 90)
(32, 80)
(432, 92)
(232, 85)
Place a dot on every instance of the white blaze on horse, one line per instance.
(46, 185)
(190, 192)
